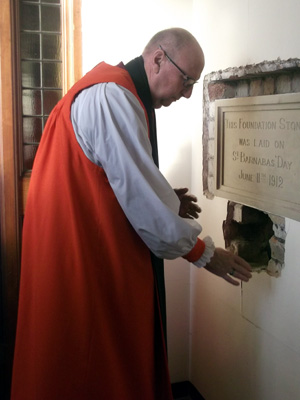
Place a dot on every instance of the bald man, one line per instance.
(99, 220)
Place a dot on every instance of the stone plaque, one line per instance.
(257, 152)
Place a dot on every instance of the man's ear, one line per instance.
(158, 57)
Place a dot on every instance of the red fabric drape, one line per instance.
(88, 323)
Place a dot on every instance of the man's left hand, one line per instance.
(188, 206)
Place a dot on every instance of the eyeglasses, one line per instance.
(188, 81)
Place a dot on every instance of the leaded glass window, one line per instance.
(41, 69)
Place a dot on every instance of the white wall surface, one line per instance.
(245, 342)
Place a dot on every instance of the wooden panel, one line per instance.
(9, 217)
(72, 42)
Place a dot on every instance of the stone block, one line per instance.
(269, 86)
(211, 186)
(277, 249)
(212, 110)
(283, 84)
(211, 166)
(256, 87)
(211, 147)
(216, 91)
(279, 232)
(296, 83)
(274, 268)
(242, 89)
(211, 129)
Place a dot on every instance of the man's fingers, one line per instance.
(181, 191)
(240, 273)
(241, 262)
(230, 280)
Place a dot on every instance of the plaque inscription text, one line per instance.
(258, 152)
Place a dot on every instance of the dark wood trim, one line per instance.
(9, 193)
(72, 42)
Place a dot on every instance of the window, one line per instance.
(41, 70)
(39, 43)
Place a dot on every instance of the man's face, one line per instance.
(173, 78)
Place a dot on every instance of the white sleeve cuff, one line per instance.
(208, 252)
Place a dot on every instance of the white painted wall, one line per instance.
(245, 344)
(231, 344)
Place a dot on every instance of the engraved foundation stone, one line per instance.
(257, 142)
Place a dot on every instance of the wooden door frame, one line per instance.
(9, 194)
(13, 186)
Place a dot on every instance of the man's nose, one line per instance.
(187, 92)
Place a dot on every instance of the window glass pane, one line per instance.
(52, 75)
(51, 47)
(50, 99)
(41, 69)
(29, 152)
(50, 19)
(30, 45)
(31, 101)
(32, 129)
(29, 19)
(31, 75)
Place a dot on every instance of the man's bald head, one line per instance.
(170, 57)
